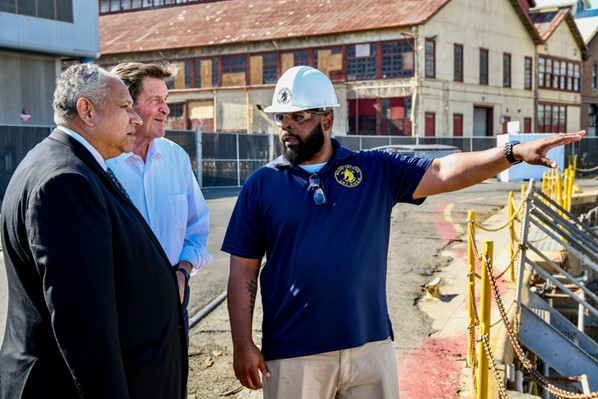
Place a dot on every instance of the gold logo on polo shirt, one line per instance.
(348, 175)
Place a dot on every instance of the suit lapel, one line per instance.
(84, 155)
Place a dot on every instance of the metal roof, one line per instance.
(547, 23)
(587, 27)
(244, 21)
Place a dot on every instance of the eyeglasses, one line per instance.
(297, 117)
(319, 194)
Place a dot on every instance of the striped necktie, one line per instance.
(117, 182)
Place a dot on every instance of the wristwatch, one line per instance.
(509, 152)
(185, 273)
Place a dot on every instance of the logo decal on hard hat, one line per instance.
(284, 96)
(348, 175)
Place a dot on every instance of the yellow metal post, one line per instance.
(471, 316)
(572, 184)
(512, 234)
(559, 188)
(485, 308)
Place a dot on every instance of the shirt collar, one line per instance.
(152, 152)
(96, 154)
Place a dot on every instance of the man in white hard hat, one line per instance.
(320, 214)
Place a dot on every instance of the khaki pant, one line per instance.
(366, 372)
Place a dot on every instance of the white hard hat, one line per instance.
(301, 88)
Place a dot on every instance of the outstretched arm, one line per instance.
(248, 360)
(464, 169)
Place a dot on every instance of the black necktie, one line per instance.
(118, 184)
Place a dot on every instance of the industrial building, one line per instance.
(36, 38)
(413, 67)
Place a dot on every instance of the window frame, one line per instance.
(506, 70)
(361, 67)
(484, 66)
(430, 58)
(389, 59)
(559, 74)
(458, 62)
(528, 73)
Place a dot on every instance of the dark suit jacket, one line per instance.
(93, 303)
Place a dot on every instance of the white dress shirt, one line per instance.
(166, 193)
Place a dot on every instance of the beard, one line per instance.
(304, 150)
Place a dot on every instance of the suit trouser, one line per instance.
(365, 372)
(186, 312)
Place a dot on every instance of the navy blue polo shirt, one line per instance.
(323, 285)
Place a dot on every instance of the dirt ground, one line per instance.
(211, 372)
(416, 255)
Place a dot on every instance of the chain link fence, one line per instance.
(227, 159)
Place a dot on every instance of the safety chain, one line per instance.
(499, 320)
(472, 224)
(556, 391)
(513, 217)
(501, 389)
(479, 257)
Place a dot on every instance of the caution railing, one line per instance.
(556, 195)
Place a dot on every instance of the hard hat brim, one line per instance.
(287, 108)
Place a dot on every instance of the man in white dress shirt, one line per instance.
(158, 176)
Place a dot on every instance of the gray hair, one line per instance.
(79, 81)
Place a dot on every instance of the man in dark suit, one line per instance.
(93, 303)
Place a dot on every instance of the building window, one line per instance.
(552, 118)
(527, 70)
(177, 110)
(330, 62)
(116, 6)
(430, 58)
(189, 66)
(506, 70)
(234, 64)
(213, 71)
(263, 69)
(458, 63)
(397, 59)
(594, 77)
(548, 74)
(57, 10)
(301, 57)
(270, 68)
(234, 70)
(361, 62)
(201, 73)
(483, 66)
(558, 74)
(592, 119)
(541, 71)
